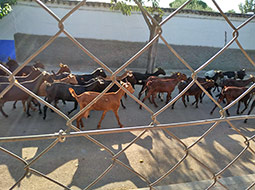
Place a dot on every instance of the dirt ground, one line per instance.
(77, 162)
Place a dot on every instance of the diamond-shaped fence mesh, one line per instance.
(188, 150)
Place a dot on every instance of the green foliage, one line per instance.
(5, 7)
(126, 8)
(195, 5)
(248, 6)
(231, 11)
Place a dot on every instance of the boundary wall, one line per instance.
(197, 35)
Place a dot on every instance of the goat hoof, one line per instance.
(245, 121)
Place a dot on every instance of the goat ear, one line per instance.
(60, 64)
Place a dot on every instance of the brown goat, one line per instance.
(16, 93)
(63, 69)
(162, 85)
(109, 101)
(238, 83)
(194, 90)
(13, 65)
(230, 94)
(151, 78)
(31, 76)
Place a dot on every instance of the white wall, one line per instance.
(101, 23)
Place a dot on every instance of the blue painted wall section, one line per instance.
(7, 49)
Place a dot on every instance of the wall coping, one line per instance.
(167, 10)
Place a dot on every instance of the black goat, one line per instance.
(142, 78)
(82, 79)
(216, 76)
(59, 91)
(235, 74)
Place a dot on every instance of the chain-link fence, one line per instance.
(185, 148)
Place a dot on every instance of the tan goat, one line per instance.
(109, 101)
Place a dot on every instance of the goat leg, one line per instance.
(173, 104)
(252, 106)
(141, 91)
(102, 117)
(183, 100)
(153, 100)
(168, 98)
(227, 112)
(37, 103)
(187, 97)
(238, 107)
(75, 107)
(117, 117)
(220, 99)
(197, 100)
(246, 106)
(79, 122)
(24, 105)
(213, 109)
(44, 111)
(2, 111)
(160, 96)
(28, 106)
(14, 105)
(124, 107)
(147, 96)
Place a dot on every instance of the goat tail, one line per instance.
(72, 92)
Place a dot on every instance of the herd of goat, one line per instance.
(82, 89)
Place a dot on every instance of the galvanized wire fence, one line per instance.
(155, 124)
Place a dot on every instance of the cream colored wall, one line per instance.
(101, 23)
